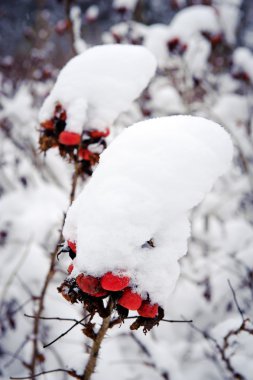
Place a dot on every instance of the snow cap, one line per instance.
(97, 85)
(147, 181)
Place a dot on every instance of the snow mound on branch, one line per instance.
(194, 20)
(243, 61)
(146, 183)
(99, 84)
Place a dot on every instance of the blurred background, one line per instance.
(205, 67)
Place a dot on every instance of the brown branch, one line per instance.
(222, 349)
(70, 372)
(48, 279)
(92, 361)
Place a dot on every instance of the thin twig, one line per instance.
(66, 332)
(151, 362)
(55, 319)
(235, 300)
(40, 309)
(69, 372)
(166, 320)
(48, 279)
(16, 354)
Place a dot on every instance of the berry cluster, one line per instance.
(176, 46)
(83, 149)
(89, 289)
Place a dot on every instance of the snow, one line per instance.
(75, 16)
(147, 181)
(229, 15)
(128, 4)
(158, 32)
(99, 84)
(194, 20)
(232, 109)
(196, 56)
(243, 61)
(164, 98)
(92, 12)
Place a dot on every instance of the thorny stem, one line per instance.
(49, 276)
(92, 361)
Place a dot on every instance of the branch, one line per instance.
(55, 319)
(166, 320)
(48, 279)
(164, 374)
(92, 361)
(67, 331)
(235, 300)
(69, 372)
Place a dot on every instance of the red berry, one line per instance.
(62, 26)
(70, 268)
(148, 310)
(88, 284)
(48, 124)
(69, 138)
(101, 293)
(216, 39)
(114, 282)
(97, 134)
(85, 154)
(130, 300)
(72, 245)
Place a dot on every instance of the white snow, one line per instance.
(243, 61)
(158, 32)
(146, 183)
(229, 15)
(92, 13)
(128, 4)
(164, 98)
(196, 56)
(193, 20)
(99, 84)
(76, 18)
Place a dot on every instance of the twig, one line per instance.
(49, 276)
(69, 372)
(40, 309)
(55, 318)
(151, 362)
(92, 361)
(66, 332)
(16, 353)
(235, 300)
(166, 320)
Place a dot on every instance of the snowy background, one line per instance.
(205, 68)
